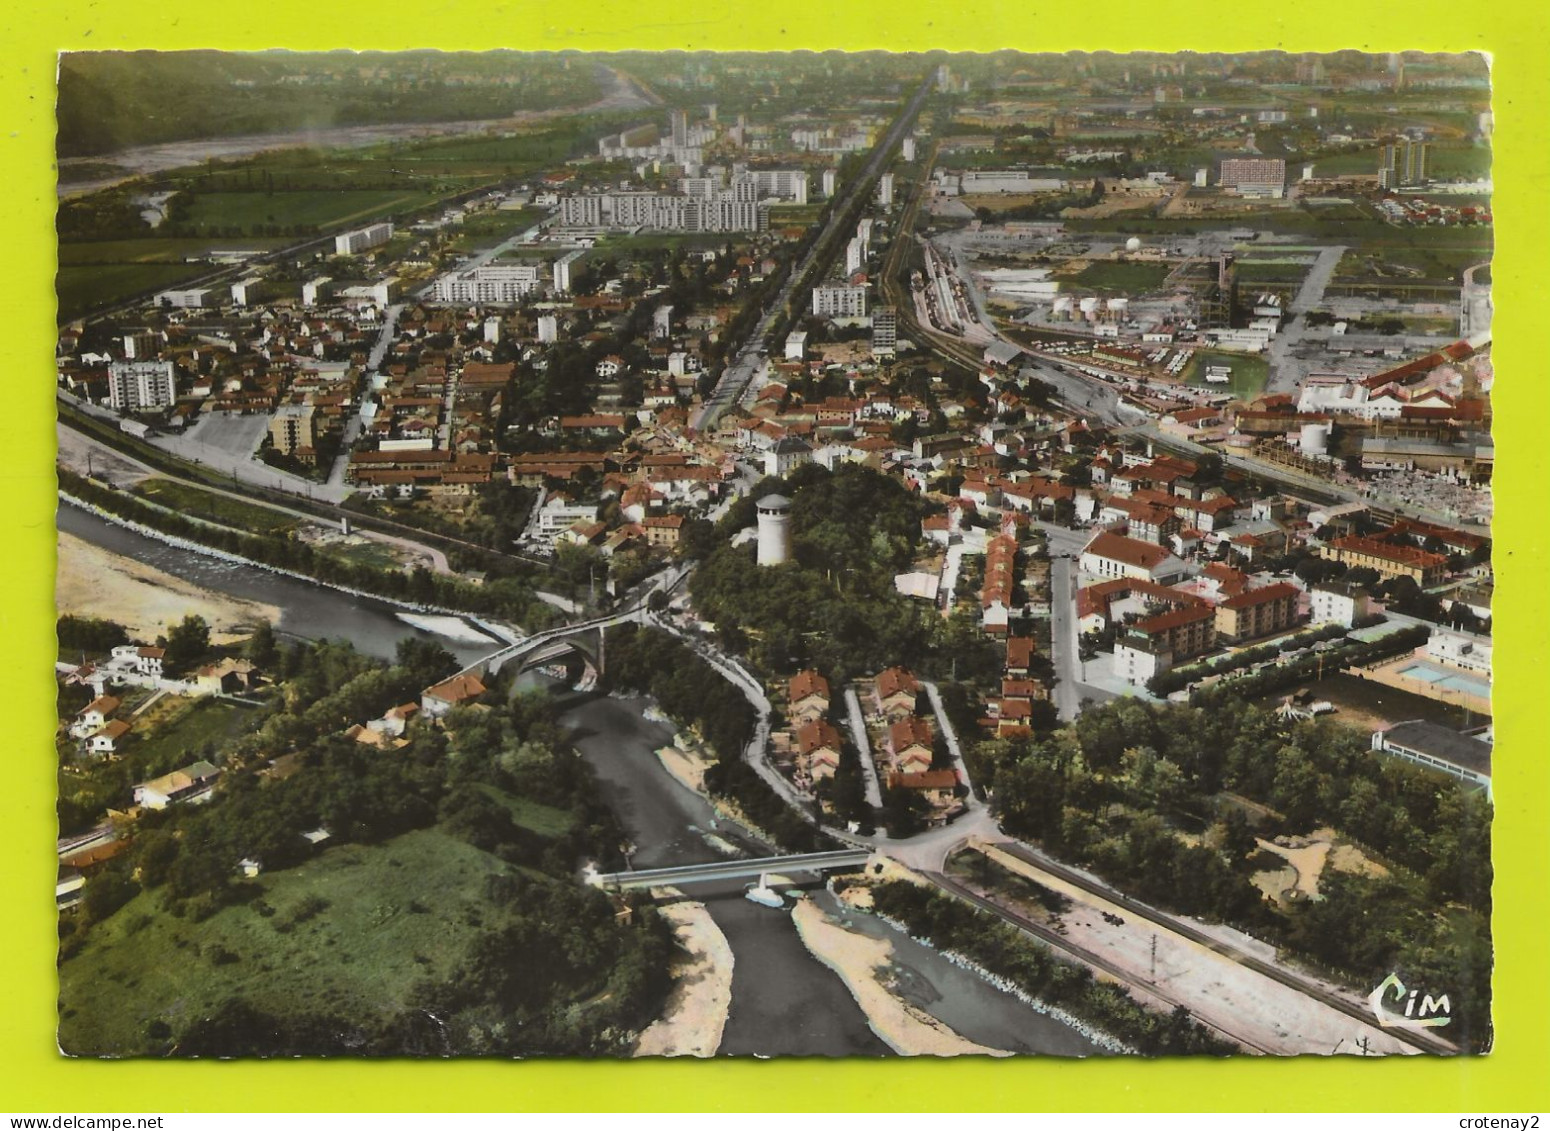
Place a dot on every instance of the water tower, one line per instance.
(774, 529)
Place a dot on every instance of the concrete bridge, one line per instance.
(815, 862)
(586, 637)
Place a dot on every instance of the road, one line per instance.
(1286, 371)
(352, 428)
(738, 375)
(119, 468)
(1064, 645)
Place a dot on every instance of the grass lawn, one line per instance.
(1124, 278)
(545, 820)
(1258, 272)
(214, 508)
(374, 554)
(783, 214)
(393, 913)
(154, 250)
(82, 290)
(247, 210)
(1249, 373)
(1435, 264)
(652, 241)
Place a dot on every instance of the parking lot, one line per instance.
(229, 431)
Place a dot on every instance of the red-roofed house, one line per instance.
(807, 697)
(1113, 555)
(819, 744)
(911, 742)
(896, 692)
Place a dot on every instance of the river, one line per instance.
(306, 610)
(784, 1000)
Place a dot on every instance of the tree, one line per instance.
(904, 813)
(261, 647)
(187, 642)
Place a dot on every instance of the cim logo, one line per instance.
(1426, 1013)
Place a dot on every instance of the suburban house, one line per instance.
(458, 691)
(95, 715)
(191, 785)
(106, 740)
(807, 697)
(936, 786)
(664, 530)
(1019, 655)
(911, 741)
(226, 677)
(819, 744)
(896, 692)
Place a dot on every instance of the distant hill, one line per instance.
(112, 100)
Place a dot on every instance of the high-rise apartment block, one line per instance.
(134, 385)
(839, 302)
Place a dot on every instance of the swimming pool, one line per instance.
(1451, 680)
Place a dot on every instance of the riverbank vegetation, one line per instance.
(336, 897)
(1168, 803)
(652, 662)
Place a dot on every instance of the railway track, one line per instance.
(1084, 955)
(1420, 1041)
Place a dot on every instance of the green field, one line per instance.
(1470, 162)
(154, 250)
(195, 503)
(1249, 373)
(782, 215)
(1366, 232)
(1435, 264)
(545, 820)
(1250, 271)
(82, 290)
(373, 554)
(1123, 278)
(184, 735)
(250, 211)
(657, 241)
(391, 915)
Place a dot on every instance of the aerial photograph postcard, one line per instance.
(774, 554)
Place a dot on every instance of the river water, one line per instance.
(306, 610)
(784, 1000)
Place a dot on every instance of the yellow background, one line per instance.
(33, 1077)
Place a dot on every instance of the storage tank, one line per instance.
(1133, 244)
(1089, 307)
(1118, 307)
(1315, 439)
(774, 513)
(1062, 308)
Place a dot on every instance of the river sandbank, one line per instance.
(859, 960)
(695, 1014)
(93, 582)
